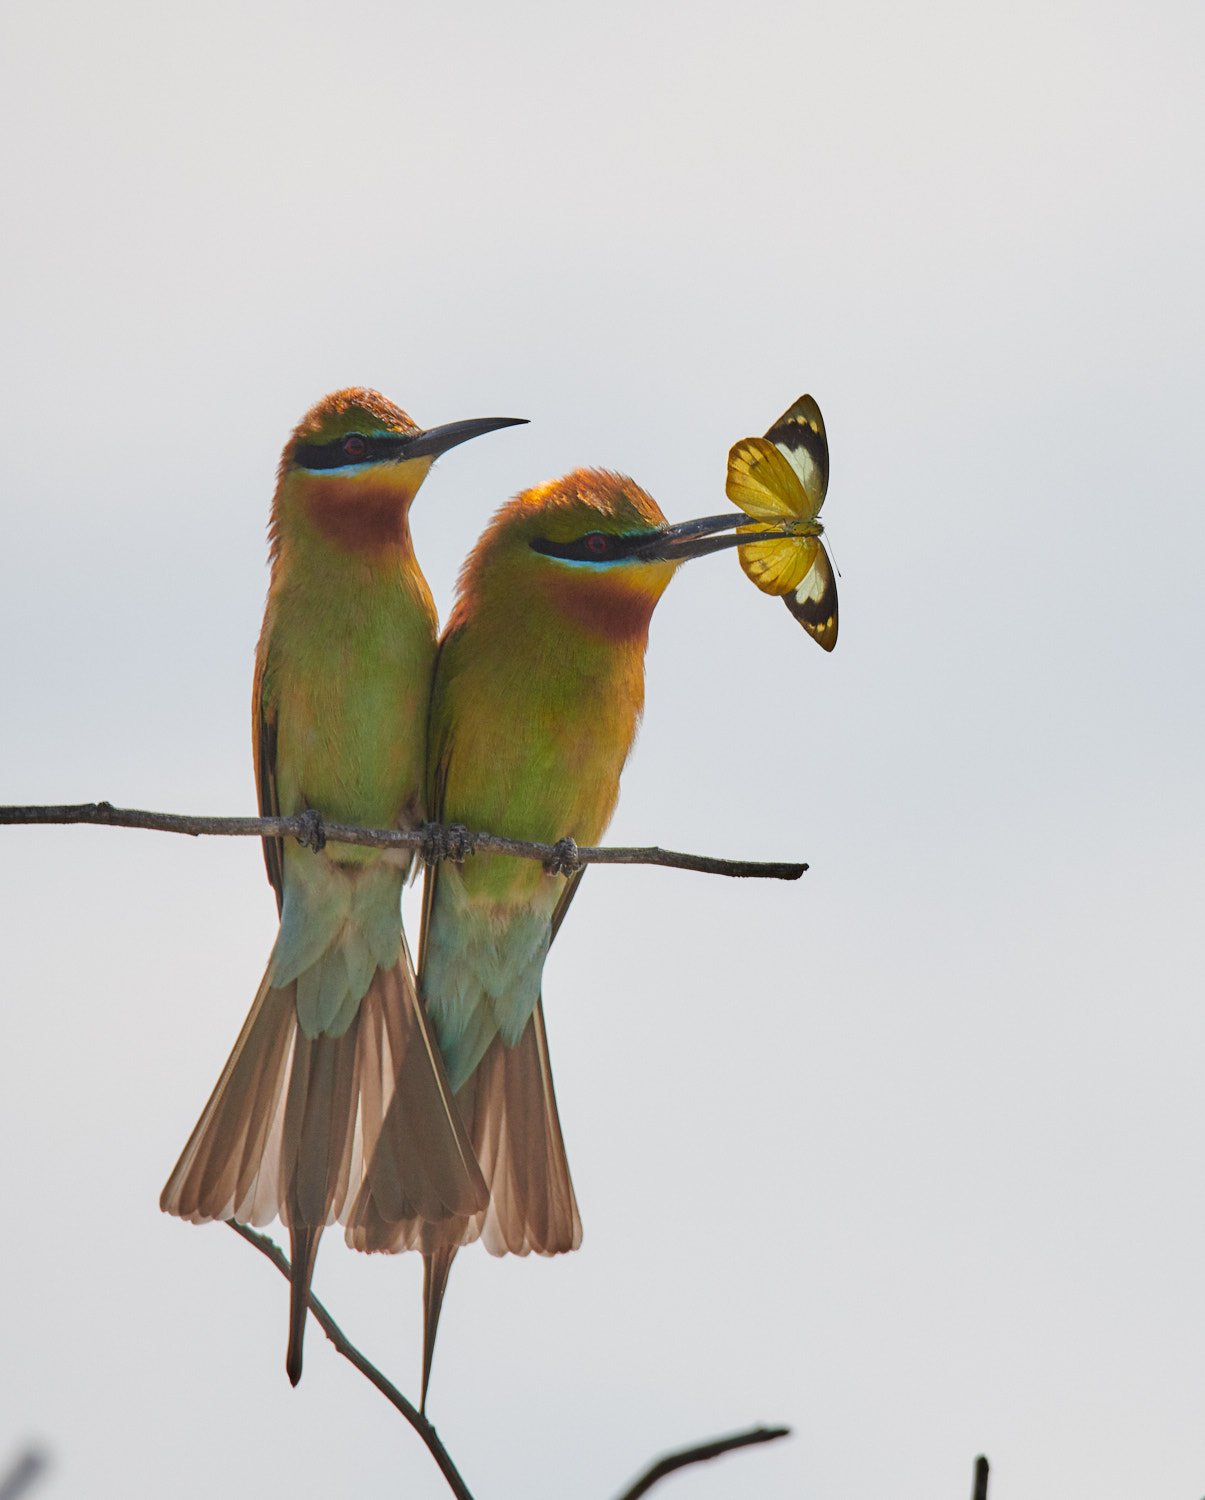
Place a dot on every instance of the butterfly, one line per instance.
(781, 480)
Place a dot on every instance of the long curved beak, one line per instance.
(437, 440)
(697, 538)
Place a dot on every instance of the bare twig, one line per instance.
(981, 1473)
(366, 1368)
(700, 1454)
(305, 825)
(655, 1472)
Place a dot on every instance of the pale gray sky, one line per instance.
(908, 1156)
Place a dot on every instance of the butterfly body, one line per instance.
(780, 480)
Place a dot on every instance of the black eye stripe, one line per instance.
(333, 455)
(586, 548)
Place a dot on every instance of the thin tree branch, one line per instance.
(433, 842)
(700, 1454)
(655, 1472)
(981, 1473)
(366, 1368)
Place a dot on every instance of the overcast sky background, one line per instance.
(910, 1155)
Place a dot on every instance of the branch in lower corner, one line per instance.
(699, 1454)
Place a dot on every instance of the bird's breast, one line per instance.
(349, 682)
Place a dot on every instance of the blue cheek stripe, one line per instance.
(596, 564)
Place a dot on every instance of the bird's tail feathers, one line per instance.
(509, 1106)
(420, 1167)
(293, 1120)
(303, 1252)
(436, 1267)
(516, 1132)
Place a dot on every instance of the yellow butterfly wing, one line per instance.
(763, 483)
(778, 566)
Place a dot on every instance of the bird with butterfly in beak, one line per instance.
(538, 691)
(335, 1065)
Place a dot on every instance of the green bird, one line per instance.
(335, 1066)
(537, 696)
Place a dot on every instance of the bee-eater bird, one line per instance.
(339, 714)
(538, 692)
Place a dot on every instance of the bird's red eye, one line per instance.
(598, 543)
(354, 446)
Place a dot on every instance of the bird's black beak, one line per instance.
(437, 440)
(697, 538)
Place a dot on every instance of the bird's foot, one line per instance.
(453, 842)
(564, 859)
(312, 834)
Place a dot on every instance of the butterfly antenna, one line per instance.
(831, 553)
